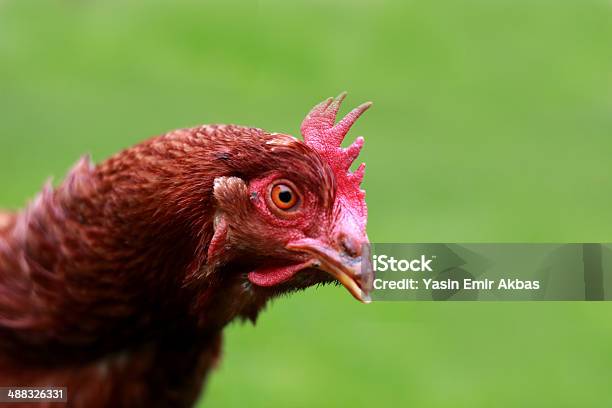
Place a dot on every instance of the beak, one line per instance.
(353, 271)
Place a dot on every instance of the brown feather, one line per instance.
(101, 287)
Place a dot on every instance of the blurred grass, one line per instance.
(492, 122)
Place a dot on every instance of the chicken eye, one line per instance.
(283, 196)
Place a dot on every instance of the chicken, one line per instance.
(118, 283)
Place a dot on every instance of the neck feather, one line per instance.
(102, 259)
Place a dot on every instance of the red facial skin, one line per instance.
(118, 283)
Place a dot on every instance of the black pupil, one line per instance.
(285, 196)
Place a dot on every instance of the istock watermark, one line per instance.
(385, 263)
(493, 272)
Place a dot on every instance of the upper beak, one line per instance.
(354, 271)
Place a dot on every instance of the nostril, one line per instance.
(350, 246)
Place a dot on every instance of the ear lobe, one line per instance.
(219, 237)
(229, 191)
(230, 194)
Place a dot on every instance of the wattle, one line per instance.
(270, 276)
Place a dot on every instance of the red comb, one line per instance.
(323, 134)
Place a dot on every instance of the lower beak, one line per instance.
(355, 273)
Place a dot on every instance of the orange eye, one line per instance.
(283, 196)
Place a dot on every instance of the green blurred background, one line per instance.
(492, 123)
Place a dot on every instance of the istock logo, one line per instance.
(383, 263)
